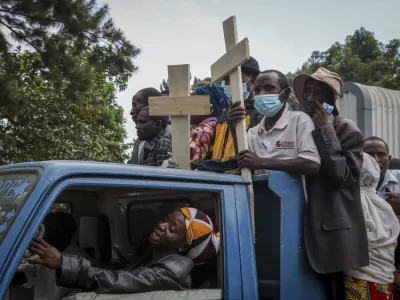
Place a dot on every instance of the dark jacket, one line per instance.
(335, 233)
(169, 273)
(135, 159)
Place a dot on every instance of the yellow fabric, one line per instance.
(219, 151)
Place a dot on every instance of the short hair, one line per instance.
(378, 139)
(164, 119)
(146, 93)
(282, 79)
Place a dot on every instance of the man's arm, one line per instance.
(163, 151)
(302, 166)
(341, 158)
(78, 272)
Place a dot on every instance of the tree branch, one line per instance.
(26, 40)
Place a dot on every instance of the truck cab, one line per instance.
(115, 205)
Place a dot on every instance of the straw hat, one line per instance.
(331, 79)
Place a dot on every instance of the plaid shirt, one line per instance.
(155, 152)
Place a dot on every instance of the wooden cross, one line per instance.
(229, 64)
(179, 105)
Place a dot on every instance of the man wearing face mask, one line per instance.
(224, 146)
(282, 141)
(334, 226)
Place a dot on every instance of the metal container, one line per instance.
(375, 110)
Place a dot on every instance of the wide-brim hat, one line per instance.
(251, 67)
(323, 75)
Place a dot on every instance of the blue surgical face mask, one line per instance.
(268, 105)
(228, 90)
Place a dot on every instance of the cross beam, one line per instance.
(229, 64)
(179, 105)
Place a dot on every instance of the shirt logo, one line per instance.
(284, 145)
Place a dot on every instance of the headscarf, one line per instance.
(218, 100)
(382, 228)
(203, 240)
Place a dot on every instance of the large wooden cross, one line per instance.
(179, 105)
(229, 64)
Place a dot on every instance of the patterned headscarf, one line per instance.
(201, 237)
(218, 99)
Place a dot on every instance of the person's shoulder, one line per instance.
(177, 264)
(348, 124)
(299, 116)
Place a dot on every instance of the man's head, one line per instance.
(272, 82)
(170, 232)
(321, 86)
(379, 150)
(141, 99)
(60, 227)
(148, 127)
(250, 70)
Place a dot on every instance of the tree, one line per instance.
(361, 58)
(60, 32)
(197, 82)
(52, 126)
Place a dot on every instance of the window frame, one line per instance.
(232, 276)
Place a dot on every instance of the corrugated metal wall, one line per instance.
(375, 110)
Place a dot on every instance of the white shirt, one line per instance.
(43, 280)
(289, 138)
(382, 228)
(391, 181)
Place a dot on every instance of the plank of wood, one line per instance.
(235, 78)
(179, 106)
(230, 60)
(179, 86)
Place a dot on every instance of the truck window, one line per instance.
(112, 222)
(15, 188)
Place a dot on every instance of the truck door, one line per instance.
(123, 207)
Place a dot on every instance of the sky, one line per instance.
(282, 34)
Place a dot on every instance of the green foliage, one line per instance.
(197, 82)
(52, 126)
(361, 58)
(60, 32)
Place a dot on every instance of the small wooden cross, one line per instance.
(179, 105)
(229, 64)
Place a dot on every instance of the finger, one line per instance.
(235, 104)
(37, 251)
(37, 245)
(237, 113)
(43, 243)
(35, 261)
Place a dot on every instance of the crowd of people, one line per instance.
(351, 183)
(353, 197)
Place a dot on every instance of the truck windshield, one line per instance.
(14, 190)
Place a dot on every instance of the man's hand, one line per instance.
(394, 201)
(169, 163)
(249, 160)
(321, 117)
(236, 112)
(49, 256)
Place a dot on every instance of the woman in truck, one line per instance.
(375, 281)
(184, 238)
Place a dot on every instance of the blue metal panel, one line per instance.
(20, 234)
(232, 271)
(246, 244)
(55, 170)
(296, 276)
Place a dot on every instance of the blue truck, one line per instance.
(118, 198)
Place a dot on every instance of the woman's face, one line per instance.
(170, 232)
